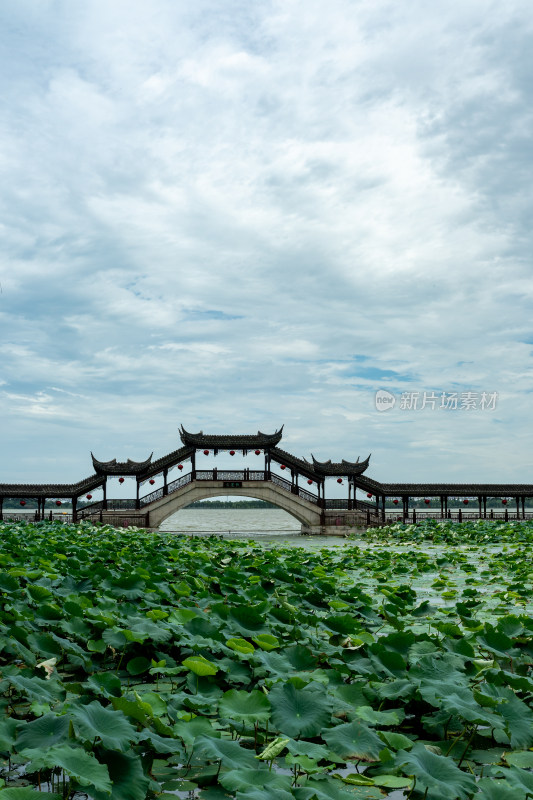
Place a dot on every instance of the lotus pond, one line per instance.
(137, 665)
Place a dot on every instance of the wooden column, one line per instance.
(517, 507)
(193, 465)
(479, 501)
(74, 509)
(484, 507)
(405, 509)
(523, 507)
(383, 508)
(446, 506)
(1, 509)
(104, 500)
(165, 481)
(137, 498)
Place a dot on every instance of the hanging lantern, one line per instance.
(504, 501)
(339, 480)
(395, 502)
(258, 452)
(180, 467)
(465, 501)
(151, 481)
(22, 502)
(232, 452)
(283, 466)
(369, 495)
(206, 452)
(58, 502)
(309, 482)
(121, 480)
(89, 496)
(426, 501)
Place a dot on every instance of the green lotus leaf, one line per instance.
(250, 707)
(138, 665)
(106, 683)
(274, 748)
(392, 782)
(76, 763)
(492, 789)
(200, 666)
(128, 779)
(111, 727)
(232, 755)
(241, 646)
(135, 709)
(520, 779)
(8, 733)
(182, 589)
(266, 641)
(38, 688)
(37, 592)
(242, 779)
(520, 758)
(437, 774)
(248, 619)
(45, 732)
(368, 714)
(8, 583)
(342, 623)
(353, 740)
(189, 731)
(299, 712)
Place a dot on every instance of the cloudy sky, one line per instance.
(234, 215)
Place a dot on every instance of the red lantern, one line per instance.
(369, 495)
(232, 452)
(309, 482)
(395, 502)
(180, 467)
(22, 502)
(58, 502)
(283, 466)
(89, 496)
(151, 481)
(206, 452)
(426, 502)
(504, 502)
(121, 480)
(465, 501)
(339, 480)
(258, 452)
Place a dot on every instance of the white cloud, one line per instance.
(240, 215)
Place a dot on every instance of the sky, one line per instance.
(234, 215)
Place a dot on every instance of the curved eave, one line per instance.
(115, 467)
(344, 468)
(230, 441)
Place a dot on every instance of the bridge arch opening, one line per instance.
(244, 511)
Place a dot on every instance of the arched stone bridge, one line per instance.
(293, 484)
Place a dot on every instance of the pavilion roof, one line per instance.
(449, 489)
(230, 441)
(346, 468)
(115, 467)
(49, 490)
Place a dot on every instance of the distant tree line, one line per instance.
(231, 504)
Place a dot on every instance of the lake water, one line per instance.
(269, 525)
